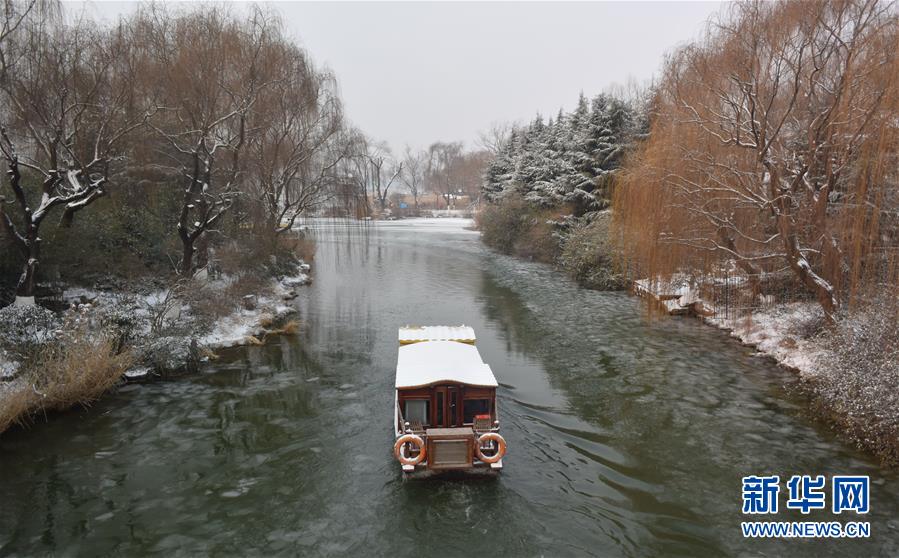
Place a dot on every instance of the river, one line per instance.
(627, 437)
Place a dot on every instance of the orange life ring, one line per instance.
(401, 443)
(500, 447)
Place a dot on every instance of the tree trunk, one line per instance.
(187, 255)
(786, 227)
(819, 286)
(202, 251)
(822, 289)
(25, 287)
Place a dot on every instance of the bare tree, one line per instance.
(495, 138)
(442, 168)
(358, 174)
(294, 159)
(470, 173)
(374, 170)
(414, 173)
(384, 172)
(69, 105)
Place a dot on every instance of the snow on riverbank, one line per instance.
(259, 310)
(421, 224)
(8, 366)
(850, 370)
(413, 224)
(780, 332)
(169, 329)
(248, 325)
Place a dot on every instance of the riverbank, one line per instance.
(578, 246)
(133, 333)
(849, 371)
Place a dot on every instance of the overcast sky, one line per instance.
(415, 73)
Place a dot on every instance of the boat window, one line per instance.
(417, 411)
(472, 407)
(439, 408)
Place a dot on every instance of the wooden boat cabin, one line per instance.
(446, 415)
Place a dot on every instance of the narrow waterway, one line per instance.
(625, 437)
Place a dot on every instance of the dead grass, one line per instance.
(292, 327)
(77, 370)
(17, 398)
(208, 354)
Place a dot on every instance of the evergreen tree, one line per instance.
(569, 160)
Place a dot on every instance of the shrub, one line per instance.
(503, 223)
(859, 376)
(26, 329)
(580, 246)
(121, 322)
(538, 241)
(513, 226)
(273, 254)
(170, 355)
(296, 244)
(588, 256)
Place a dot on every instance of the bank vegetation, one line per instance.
(762, 193)
(549, 186)
(156, 174)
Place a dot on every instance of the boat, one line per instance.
(446, 415)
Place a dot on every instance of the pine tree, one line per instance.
(569, 160)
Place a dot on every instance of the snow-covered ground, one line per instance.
(265, 311)
(237, 328)
(176, 346)
(8, 366)
(245, 326)
(780, 331)
(777, 331)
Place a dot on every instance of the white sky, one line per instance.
(415, 73)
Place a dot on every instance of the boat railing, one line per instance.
(400, 421)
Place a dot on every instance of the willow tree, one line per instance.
(293, 159)
(768, 146)
(207, 71)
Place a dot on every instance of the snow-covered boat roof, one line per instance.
(416, 334)
(431, 362)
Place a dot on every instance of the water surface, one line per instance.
(626, 438)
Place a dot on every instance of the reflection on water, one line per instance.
(626, 437)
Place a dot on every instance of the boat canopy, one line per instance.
(426, 363)
(416, 334)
